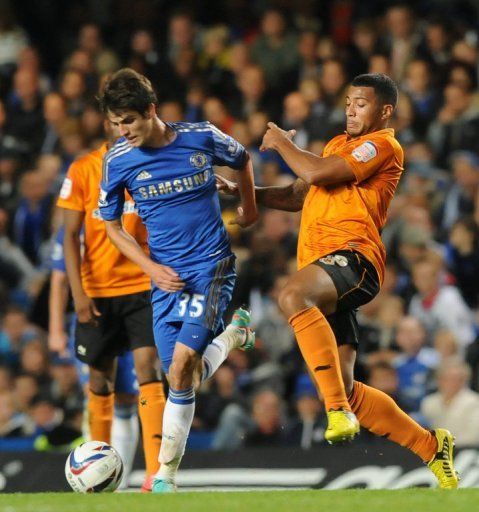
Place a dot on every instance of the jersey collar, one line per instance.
(384, 131)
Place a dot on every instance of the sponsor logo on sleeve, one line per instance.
(102, 199)
(233, 146)
(365, 152)
(66, 190)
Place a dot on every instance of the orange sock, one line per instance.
(317, 343)
(379, 413)
(151, 404)
(100, 416)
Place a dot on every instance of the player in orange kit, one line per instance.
(344, 196)
(112, 302)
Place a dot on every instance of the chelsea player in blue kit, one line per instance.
(168, 170)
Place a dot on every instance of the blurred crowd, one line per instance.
(240, 64)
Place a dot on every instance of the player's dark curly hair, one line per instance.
(127, 90)
(384, 87)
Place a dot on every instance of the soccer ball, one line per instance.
(94, 466)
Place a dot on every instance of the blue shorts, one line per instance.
(202, 302)
(125, 381)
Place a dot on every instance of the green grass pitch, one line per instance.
(407, 500)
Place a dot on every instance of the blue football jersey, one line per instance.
(175, 192)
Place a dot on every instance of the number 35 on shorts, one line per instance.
(191, 305)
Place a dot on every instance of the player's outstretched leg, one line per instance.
(379, 413)
(180, 406)
(236, 335)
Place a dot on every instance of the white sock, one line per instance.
(177, 419)
(124, 437)
(217, 351)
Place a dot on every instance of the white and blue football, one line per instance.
(94, 466)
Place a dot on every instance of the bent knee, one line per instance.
(291, 300)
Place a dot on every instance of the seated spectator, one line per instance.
(269, 422)
(440, 306)
(55, 115)
(415, 362)
(308, 429)
(418, 84)
(25, 389)
(12, 424)
(383, 376)
(212, 400)
(379, 63)
(456, 126)
(34, 361)
(64, 437)
(271, 328)
(25, 123)
(445, 344)
(31, 222)
(438, 42)
(65, 389)
(454, 402)
(171, 112)
(298, 116)
(215, 111)
(90, 39)
(92, 125)
(44, 415)
(462, 258)
(404, 120)
(73, 88)
(275, 49)
(459, 201)
(254, 96)
(14, 334)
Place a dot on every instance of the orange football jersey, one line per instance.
(105, 271)
(350, 216)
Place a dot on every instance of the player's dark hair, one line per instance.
(384, 87)
(127, 90)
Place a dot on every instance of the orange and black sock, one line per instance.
(317, 343)
(380, 414)
(100, 416)
(151, 404)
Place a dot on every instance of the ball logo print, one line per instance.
(94, 466)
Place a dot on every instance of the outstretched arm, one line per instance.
(313, 169)
(248, 212)
(289, 198)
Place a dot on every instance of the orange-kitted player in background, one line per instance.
(111, 295)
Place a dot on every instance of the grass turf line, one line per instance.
(260, 501)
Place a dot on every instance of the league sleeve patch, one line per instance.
(66, 189)
(365, 152)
